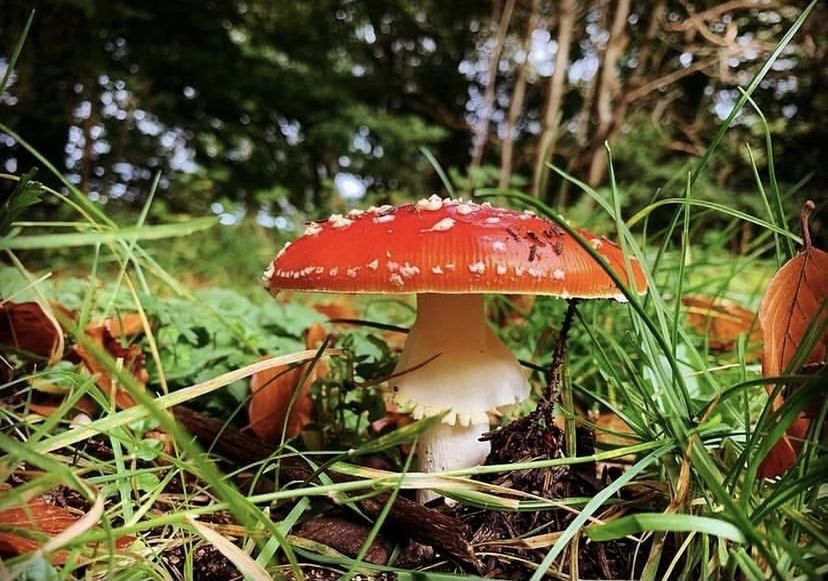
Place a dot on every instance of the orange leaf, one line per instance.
(131, 356)
(315, 335)
(793, 300)
(41, 519)
(127, 325)
(25, 529)
(392, 420)
(272, 391)
(28, 327)
(336, 310)
(723, 321)
(45, 404)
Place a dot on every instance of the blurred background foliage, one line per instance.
(273, 111)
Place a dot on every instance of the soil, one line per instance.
(208, 564)
(536, 437)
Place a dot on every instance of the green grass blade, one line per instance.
(685, 523)
(16, 53)
(49, 241)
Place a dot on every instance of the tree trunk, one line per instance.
(518, 97)
(551, 117)
(481, 132)
(608, 89)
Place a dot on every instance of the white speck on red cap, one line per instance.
(443, 225)
(340, 221)
(432, 203)
(312, 229)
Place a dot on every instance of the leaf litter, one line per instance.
(794, 305)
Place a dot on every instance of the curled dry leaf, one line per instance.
(25, 529)
(125, 325)
(612, 430)
(29, 328)
(392, 420)
(510, 312)
(132, 358)
(273, 389)
(722, 321)
(794, 300)
(336, 310)
(45, 404)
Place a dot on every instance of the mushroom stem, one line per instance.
(473, 374)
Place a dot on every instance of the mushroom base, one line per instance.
(446, 447)
(453, 362)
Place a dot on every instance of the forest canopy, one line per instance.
(268, 107)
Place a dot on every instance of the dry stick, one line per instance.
(406, 517)
(553, 382)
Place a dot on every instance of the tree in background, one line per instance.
(281, 105)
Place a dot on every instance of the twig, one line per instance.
(553, 383)
(424, 525)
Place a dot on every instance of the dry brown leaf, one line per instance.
(392, 420)
(723, 321)
(132, 358)
(315, 335)
(794, 298)
(272, 391)
(126, 325)
(612, 429)
(45, 404)
(25, 529)
(28, 327)
(511, 312)
(336, 310)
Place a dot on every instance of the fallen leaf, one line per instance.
(510, 312)
(25, 529)
(392, 420)
(722, 321)
(45, 404)
(126, 325)
(336, 310)
(612, 429)
(795, 297)
(272, 391)
(131, 356)
(315, 335)
(29, 328)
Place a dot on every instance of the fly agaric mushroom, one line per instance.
(450, 253)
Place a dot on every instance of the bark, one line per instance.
(481, 133)
(608, 90)
(518, 97)
(552, 113)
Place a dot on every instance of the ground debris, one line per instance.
(498, 533)
(208, 564)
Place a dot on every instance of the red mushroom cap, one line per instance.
(446, 246)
